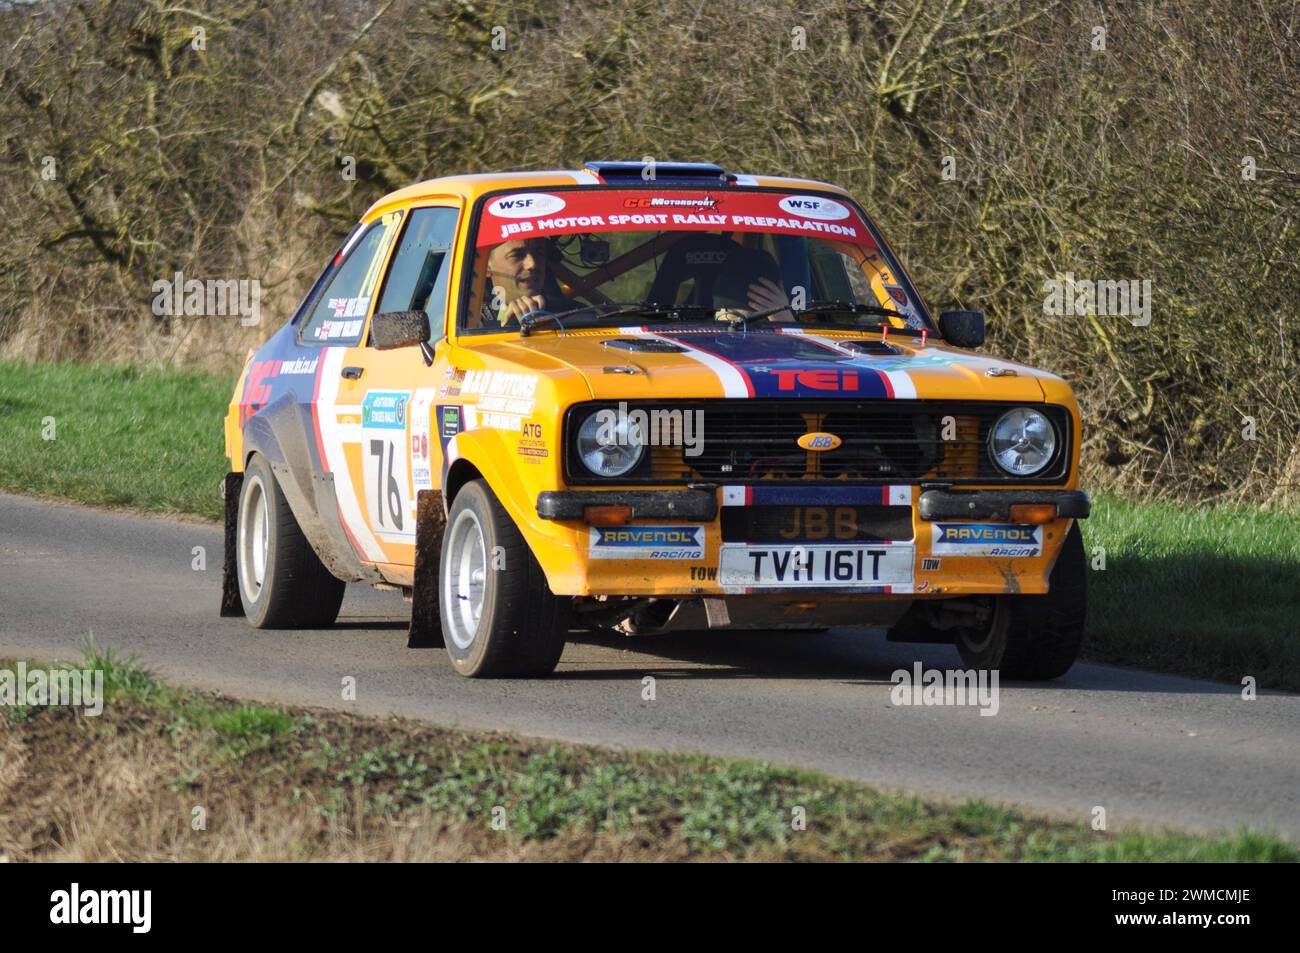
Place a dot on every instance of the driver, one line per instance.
(749, 283)
(520, 282)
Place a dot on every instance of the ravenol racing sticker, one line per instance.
(986, 539)
(647, 542)
(386, 409)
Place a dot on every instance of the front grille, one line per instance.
(751, 441)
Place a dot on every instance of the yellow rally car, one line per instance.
(642, 398)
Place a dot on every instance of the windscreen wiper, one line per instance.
(620, 309)
(739, 320)
(818, 307)
(849, 307)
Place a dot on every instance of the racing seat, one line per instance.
(721, 271)
(743, 267)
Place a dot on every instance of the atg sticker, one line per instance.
(385, 409)
(986, 539)
(647, 542)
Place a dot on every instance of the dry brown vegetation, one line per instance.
(1122, 163)
(277, 784)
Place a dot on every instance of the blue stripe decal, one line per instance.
(818, 496)
(788, 365)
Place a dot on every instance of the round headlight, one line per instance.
(611, 442)
(1022, 442)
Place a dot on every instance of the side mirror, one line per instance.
(962, 328)
(394, 329)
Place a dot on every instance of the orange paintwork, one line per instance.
(562, 369)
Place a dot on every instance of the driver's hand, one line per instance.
(766, 294)
(521, 306)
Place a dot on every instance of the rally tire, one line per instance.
(1034, 638)
(499, 616)
(282, 582)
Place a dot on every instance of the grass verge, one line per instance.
(171, 774)
(114, 436)
(1211, 591)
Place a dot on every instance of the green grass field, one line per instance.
(292, 784)
(150, 440)
(1207, 591)
(1211, 591)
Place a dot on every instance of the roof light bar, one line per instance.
(648, 171)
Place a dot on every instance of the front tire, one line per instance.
(282, 582)
(1036, 637)
(499, 616)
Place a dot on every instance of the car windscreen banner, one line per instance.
(541, 214)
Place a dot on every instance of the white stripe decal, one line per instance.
(584, 177)
(732, 381)
(899, 381)
(356, 237)
(332, 437)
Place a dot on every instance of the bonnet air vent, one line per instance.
(871, 347)
(645, 345)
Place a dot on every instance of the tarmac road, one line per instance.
(1154, 750)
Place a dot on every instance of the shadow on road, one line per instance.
(861, 656)
(851, 655)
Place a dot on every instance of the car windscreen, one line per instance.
(694, 253)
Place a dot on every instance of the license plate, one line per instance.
(815, 566)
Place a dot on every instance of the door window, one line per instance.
(421, 265)
(340, 312)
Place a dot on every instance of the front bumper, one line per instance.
(996, 504)
(961, 542)
(699, 506)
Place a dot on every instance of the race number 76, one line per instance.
(387, 489)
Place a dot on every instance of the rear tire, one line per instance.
(282, 582)
(499, 616)
(1036, 637)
